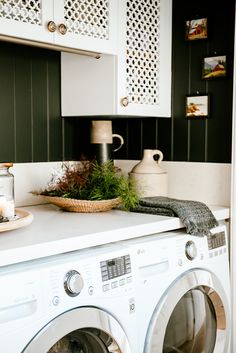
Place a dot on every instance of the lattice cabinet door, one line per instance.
(87, 24)
(135, 82)
(144, 65)
(26, 19)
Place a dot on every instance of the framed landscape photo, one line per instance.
(197, 106)
(196, 29)
(214, 67)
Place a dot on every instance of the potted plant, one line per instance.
(87, 186)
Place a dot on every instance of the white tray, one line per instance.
(23, 219)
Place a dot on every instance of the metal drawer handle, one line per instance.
(52, 26)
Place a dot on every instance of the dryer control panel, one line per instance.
(216, 240)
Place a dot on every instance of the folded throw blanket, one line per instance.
(195, 216)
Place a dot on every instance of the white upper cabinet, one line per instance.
(89, 25)
(135, 82)
(26, 19)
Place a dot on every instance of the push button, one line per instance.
(105, 287)
(129, 279)
(114, 284)
(122, 282)
(55, 300)
(90, 290)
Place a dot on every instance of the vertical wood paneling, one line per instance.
(220, 122)
(135, 138)
(164, 137)
(7, 105)
(54, 111)
(197, 143)
(202, 140)
(31, 125)
(69, 150)
(39, 102)
(150, 131)
(180, 84)
(23, 106)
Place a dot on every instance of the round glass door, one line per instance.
(192, 325)
(193, 316)
(86, 340)
(80, 330)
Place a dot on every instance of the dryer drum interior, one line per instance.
(80, 330)
(193, 316)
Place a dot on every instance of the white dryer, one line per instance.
(183, 293)
(77, 302)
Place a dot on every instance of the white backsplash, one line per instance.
(205, 182)
(31, 177)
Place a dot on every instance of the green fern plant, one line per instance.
(92, 181)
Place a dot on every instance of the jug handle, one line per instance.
(121, 141)
(159, 153)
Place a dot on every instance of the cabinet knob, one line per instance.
(125, 101)
(62, 28)
(52, 26)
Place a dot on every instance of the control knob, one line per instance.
(73, 283)
(190, 250)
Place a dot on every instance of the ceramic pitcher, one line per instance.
(101, 139)
(150, 178)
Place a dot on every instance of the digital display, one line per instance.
(216, 240)
(116, 267)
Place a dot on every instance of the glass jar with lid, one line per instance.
(7, 205)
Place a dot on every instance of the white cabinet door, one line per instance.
(144, 65)
(137, 81)
(26, 19)
(89, 24)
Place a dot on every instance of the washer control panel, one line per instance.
(115, 267)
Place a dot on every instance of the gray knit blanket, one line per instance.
(195, 216)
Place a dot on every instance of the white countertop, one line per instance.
(54, 231)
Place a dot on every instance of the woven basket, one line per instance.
(85, 206)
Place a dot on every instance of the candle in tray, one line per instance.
(7, 207)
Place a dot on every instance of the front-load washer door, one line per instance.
(193, 316)
(80, 330)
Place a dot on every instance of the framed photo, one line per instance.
(197, 106)
(214, 67)
(196, 29)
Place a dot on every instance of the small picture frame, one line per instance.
(197, 106)
(196, 29)
(214, 67)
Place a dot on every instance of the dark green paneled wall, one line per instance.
(32, 129)
(209, 139)
(31, 126)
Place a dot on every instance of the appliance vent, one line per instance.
(143, 51)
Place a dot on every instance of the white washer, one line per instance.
(82, 300)
(183, 293)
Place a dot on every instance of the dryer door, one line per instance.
(80, 330)
(193, 317)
